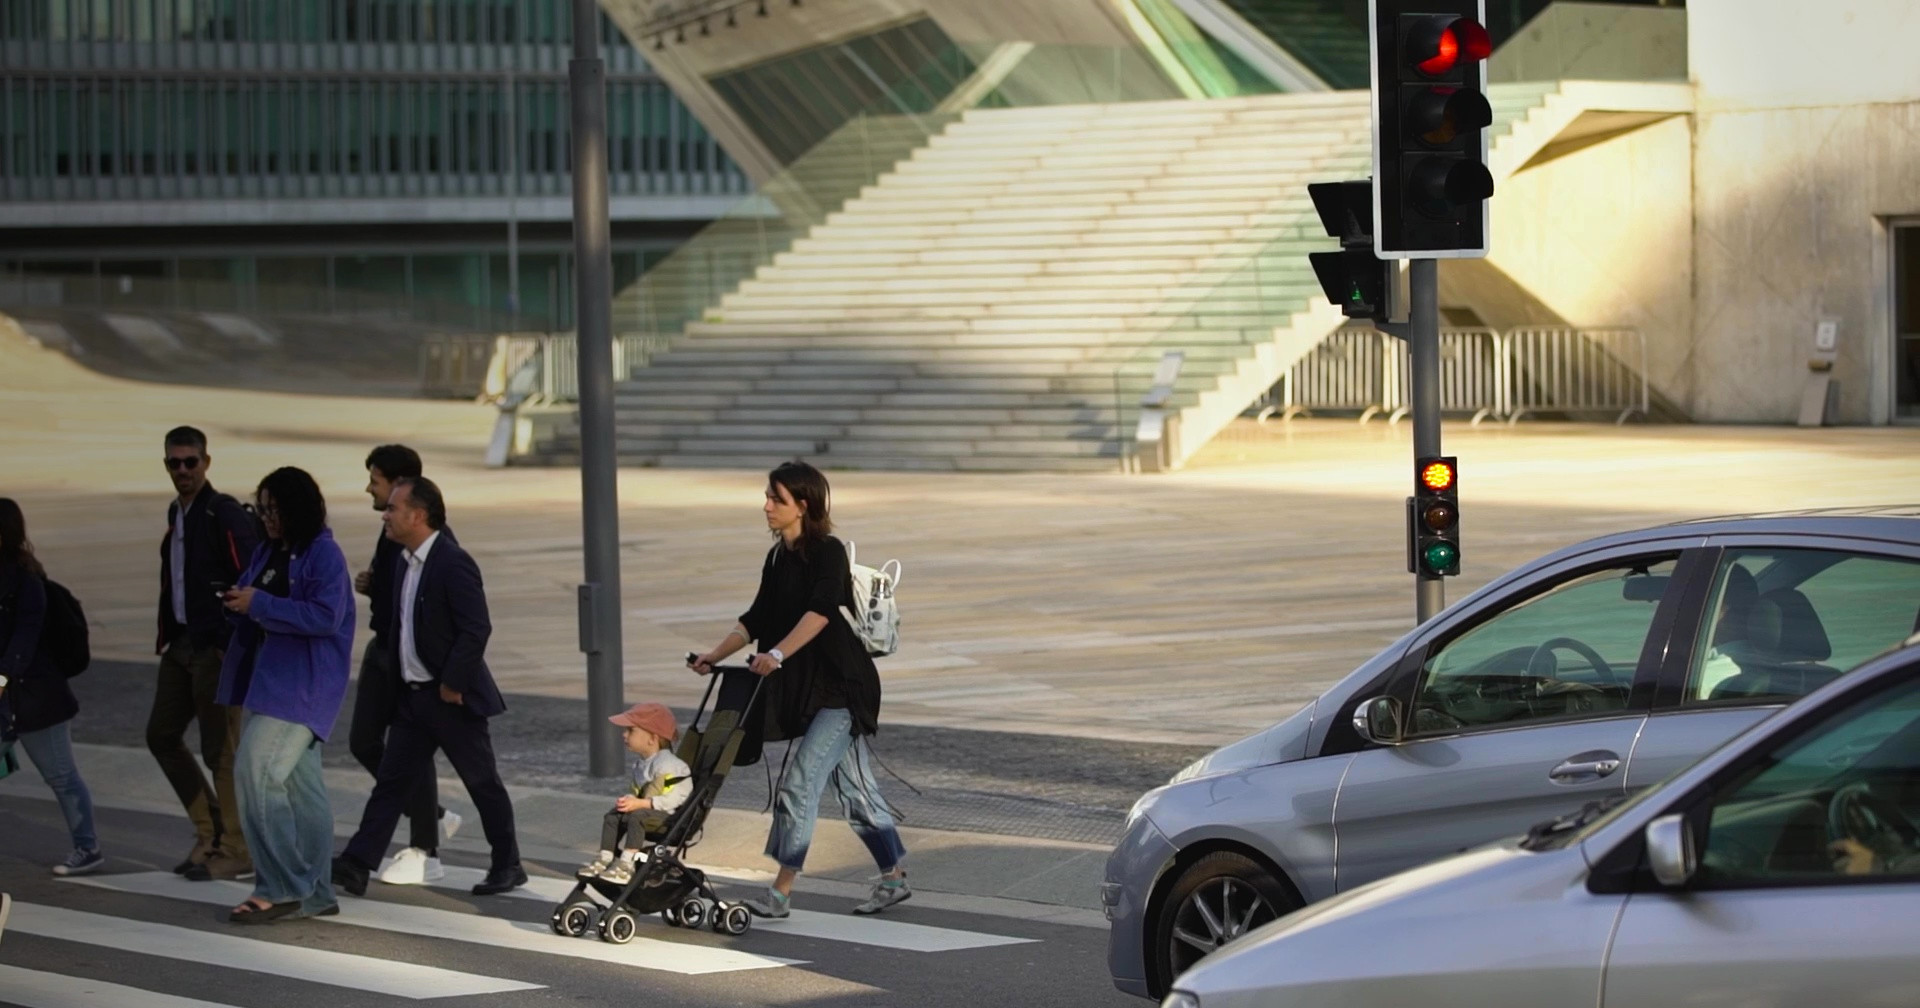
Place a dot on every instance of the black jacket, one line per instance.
(450, 625)
(388, 567)
(221, 536)
(36, 691)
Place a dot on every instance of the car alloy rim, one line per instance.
(1217, 912)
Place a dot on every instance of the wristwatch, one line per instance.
(778, 658)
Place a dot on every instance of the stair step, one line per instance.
(999, 298)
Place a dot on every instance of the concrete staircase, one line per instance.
(998, 300)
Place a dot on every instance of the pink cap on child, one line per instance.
(654, 717)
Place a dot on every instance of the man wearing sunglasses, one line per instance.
(209, 540)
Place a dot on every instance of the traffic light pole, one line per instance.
(1423, 353)
(599, 599)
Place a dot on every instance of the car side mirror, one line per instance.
(1670, 850)
(1378, 721)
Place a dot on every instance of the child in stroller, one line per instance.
(661, 881)
(660, 785)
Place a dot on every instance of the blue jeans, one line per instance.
(829, 754)
(285, 813)
(51, 750)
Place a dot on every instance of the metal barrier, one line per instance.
(454, 366)
(1347, 371)
(1484, 373)
(1473, 374)
(1560, 369)
(542, 366)
(1157, 434)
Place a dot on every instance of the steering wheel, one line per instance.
(1542, 658)
(1875, 822)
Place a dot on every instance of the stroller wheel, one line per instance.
(693, 912)
(618, 926)
(574, 919)
(671, 915)
(735, 921)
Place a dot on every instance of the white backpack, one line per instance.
(875, 617)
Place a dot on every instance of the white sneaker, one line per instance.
(412, 866)
(449, 824)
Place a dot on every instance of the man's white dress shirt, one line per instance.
(411, 667)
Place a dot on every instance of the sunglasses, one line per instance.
(188, 464)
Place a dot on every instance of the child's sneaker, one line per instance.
(774, 904)
(80, 862)
(886, 893)
(596, 866)
(618, 873)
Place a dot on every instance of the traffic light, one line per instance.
(1353, 277)
(1434, 513)
(1430, 117)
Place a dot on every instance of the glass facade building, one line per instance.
(268, 152)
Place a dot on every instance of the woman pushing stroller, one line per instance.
(822, 688)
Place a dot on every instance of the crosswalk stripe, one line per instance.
(33, 989)
(338, 969)
(499, 932)
(902, 935)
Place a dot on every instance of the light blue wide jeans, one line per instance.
(51, 750)
(285, 813)
(829, 755)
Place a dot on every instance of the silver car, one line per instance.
(1585, 675)
(1782, 870)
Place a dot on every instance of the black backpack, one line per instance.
(63, 635)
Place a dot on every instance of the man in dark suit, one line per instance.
(440, 631)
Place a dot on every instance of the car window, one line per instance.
(1840, 800)
(1570, 650)
(1786, 622)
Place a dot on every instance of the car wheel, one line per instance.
(1219, 898)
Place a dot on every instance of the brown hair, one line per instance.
(14, 545)
(808, 487)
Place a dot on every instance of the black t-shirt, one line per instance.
(832, 670)
(273, 576)
(274, 580)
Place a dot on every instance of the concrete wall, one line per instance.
(1598, 237)
(1595, 41)
(1807, 141)
(1765, 54)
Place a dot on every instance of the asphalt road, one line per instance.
(136, 935)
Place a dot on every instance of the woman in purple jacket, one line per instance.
(288, 667)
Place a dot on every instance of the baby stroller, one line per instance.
(662, 882)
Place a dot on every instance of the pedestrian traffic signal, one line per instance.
(1430, 116)
(1435, 516)
(1352, 278)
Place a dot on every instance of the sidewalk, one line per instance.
(1190, 608)
(1045, 880)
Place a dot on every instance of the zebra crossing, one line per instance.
(268, 952)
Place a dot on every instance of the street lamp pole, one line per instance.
(599, 598)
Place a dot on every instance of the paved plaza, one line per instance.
(1190, 607)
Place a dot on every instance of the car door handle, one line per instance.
(1586, 766)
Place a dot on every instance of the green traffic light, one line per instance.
(1441, 556)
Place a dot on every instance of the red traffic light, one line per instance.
(1440, 42)
(1437, 476)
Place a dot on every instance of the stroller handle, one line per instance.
(717, 669)
(713, 680)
